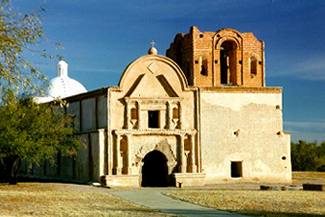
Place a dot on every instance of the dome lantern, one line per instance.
(62, 68)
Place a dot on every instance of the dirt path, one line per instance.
(153, 198)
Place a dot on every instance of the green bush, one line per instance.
(308, 156)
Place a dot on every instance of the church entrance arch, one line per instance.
(155, 170)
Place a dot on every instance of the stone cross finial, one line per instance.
(152, 43)
(152, 49)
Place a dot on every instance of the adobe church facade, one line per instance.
(200, 115)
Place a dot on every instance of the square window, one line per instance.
(236, 169)
(153, 119)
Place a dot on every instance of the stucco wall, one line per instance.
(247, 127)
(88, 114)
(102, 111)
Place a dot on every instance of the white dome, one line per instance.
(63, 86)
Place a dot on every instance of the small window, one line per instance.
(203, 66)
(153, 119)
(236, 169)
(253, 66)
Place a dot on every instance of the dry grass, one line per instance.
(41, 199)
(263, 203)
(308, 177)
(266, 203)
(44, 199)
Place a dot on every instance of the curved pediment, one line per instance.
(153, 76)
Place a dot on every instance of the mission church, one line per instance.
(199, 115)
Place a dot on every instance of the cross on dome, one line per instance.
(152, 50)
(152, 43)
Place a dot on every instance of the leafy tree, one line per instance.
(308, 156)
(321, 157)
(32, 133)
(28, 131)
(19, 35)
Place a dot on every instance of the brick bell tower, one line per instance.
(223, 58)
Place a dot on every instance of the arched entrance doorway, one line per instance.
(155, 170)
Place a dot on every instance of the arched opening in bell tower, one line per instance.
(228, 62)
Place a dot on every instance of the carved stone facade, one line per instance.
(154, 111)
(206, 118)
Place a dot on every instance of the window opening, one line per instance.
(228, 62)
(153, 119)
(236, 169)
(204, 68)
(253, 66)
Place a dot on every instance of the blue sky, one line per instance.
(101, 37)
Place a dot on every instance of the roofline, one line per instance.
(88, 94)
(238, 89)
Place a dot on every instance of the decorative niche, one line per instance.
(176, 116)
(134, 116)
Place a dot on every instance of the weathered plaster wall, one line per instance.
(244, 126)
(88, 114)
(102, 111)
(89, 111)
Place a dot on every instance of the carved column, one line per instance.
(127, 110)
(192, 157)
(170, 115)
(139, 115)
(118, 168)
(228, 70)
(239, 66)
(128, 154)
(180, 115)
(182, 160)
